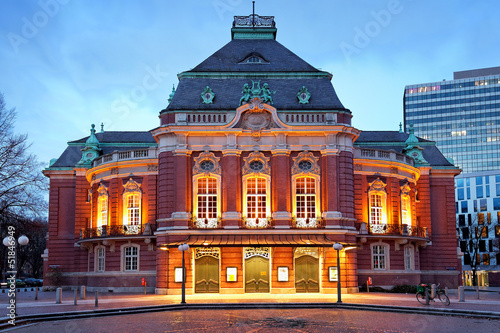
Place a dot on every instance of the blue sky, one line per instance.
(65, 64)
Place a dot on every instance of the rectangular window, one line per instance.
(482, 246)
(131, 258)
(479, 180)
(487, 191)
(463, 246)
(460, 182)
(460, 194)
(375, 209)
(479, 192)
(408, 258)
(486, 259)
(496, 203)
(464, 207)
(498, 189)
(480, 218)
(256, 198)
(133, 210)
(461, 220)
(305, 197)
(475, 205)
(378, 257)
(100, 259)
(483, 205)
(207, 198)
(488, 216)
(465, 233)
(468, 193)
(484, 232)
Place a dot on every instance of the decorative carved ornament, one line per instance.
(257, 251)
(377, 186)
(207, 95)
(358, 167)
(394, 170)
(152, 167)
(303, 95)
(307, 251)
(131, 186)
(114, 171)
(256, 163)
(206, 251)
(253, 20)
(206, 163)
(405, 189)
(102, 191)
(305, 163)
(264, 93)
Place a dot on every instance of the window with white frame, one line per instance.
(207, 198)
(132, 207)
(102, 206)
(206, 190)
(305, 197)
(256, 198)
(131, 258)
(380, 256)
(100, 253)
(408, 258)
(377, 197)
(406, 206)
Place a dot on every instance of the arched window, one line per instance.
(256, 190)
(102, 206)
(305, 190)
(406, 206)
(132, 197)
(206, 190)
(377, 197)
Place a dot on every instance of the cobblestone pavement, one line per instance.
(270, 320)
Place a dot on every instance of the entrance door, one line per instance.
(207, 275)
(257, 275)
(306, 274)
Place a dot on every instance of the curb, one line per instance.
(28, 319)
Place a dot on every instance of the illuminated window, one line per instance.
(256, 198)
(405, 205)
(100, 252)
(256, 190)
(380, 256)
(102, 206)
(130, 257)
(132, 196)
(305, 198)
(377, 200)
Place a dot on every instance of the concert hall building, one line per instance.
(256, 166)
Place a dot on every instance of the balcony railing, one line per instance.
(397, 229)
(135, 154)
(383, 155)
(117, 231)
(205, 223)
(257, 223)
(308, 223)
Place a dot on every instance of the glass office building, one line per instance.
(461, 115)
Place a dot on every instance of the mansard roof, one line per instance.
(394, 140)
(109, 142)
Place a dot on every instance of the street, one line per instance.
(269, 320)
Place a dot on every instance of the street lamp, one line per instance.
(183, 248)
(10, 241)
(338, 247)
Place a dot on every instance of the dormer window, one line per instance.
(254, 58)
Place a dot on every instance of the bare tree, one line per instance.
(22, 185)
(22, 191)
(475, 242)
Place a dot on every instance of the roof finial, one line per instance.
(400, 127)
(102, 127)
(171, 94)
(253, 14)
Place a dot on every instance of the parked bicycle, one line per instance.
(423, 290)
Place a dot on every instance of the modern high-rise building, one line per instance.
(462, 116)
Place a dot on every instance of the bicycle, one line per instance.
(422, 290)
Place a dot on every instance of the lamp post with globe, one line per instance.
(11, 243)
(183, 248)
(338, 247)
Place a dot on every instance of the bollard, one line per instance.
(433, 290)
(477, 292)
(36, 294)
(461, 294)
(58, 295)
(446, 291)
(82, 292)
(76, 293)
(96, 299)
